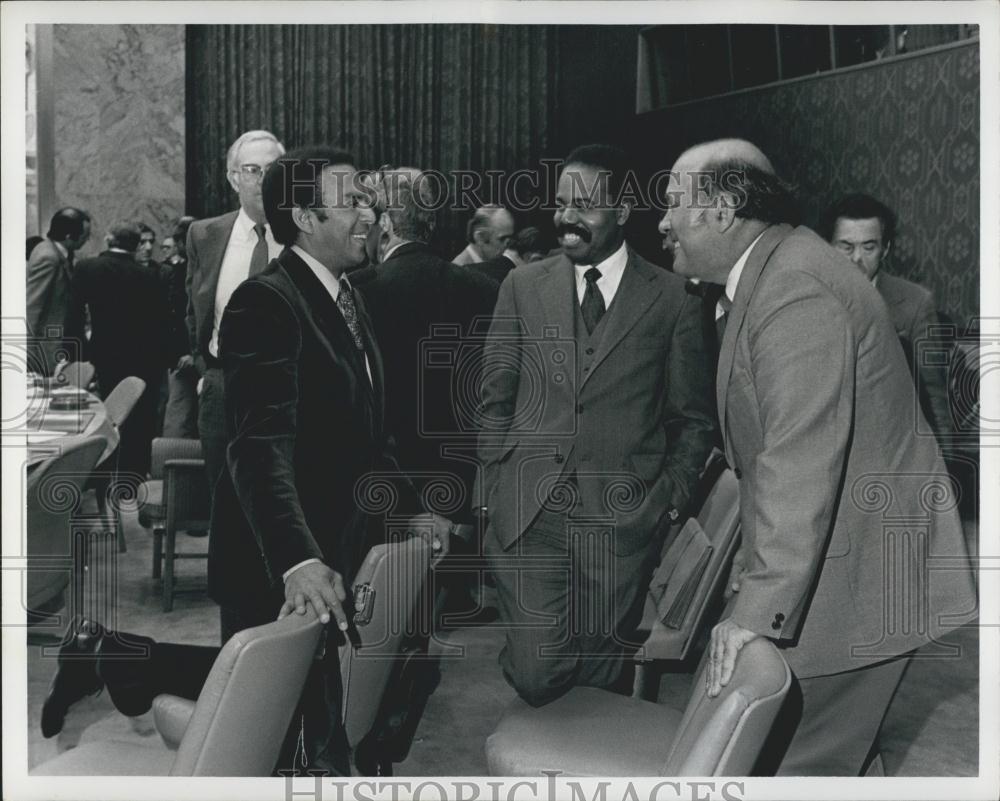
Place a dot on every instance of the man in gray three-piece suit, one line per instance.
(853, 554)
(595, 423)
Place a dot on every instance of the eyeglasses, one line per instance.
(252, 172)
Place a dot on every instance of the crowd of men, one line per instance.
(594, 395)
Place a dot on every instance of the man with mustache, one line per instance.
(595, 423)
(844, 510)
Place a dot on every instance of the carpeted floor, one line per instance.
(931, 728)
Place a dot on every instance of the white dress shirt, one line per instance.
(612, 269)
(235, 267)
(733, 280)
(468, 256)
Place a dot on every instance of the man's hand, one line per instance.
(317, 584)
(727, 640)
(736, 574)
(439, 534)
(199, 386)
(185, 362)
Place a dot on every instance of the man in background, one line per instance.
(810, 383)
(488, 233)
(128, 321)
(180, 417)
(53, 317)
(223, 252)
(147, 243)
(863, 230)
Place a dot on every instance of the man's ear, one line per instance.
(234, 182)
(385, 223)
(304, 218)
(723, 212)
(885, 251)
(623, 212)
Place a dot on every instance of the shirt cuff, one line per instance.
(287, 573)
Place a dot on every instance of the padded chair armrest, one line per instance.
(164, 448)
(171, 715)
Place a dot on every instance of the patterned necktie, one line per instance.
(345, 302)
(593, 301)
(258, 261)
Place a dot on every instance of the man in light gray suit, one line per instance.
(811, 381)
(595, 423)
(223, 252)
(54, 317)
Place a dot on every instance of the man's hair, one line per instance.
(145, 229)
(482, 218)
(295, 181)
(858, 206)
(180, 233)
(125, 236)
(67, 223)
(529, 240)
(760, 195)
(250, 136)
(605, 159)
(410, 202)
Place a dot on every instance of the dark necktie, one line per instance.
(593, 301)
(345, 302)
(258, 261)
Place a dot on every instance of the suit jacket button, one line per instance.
(775, 625)
(559, 458)
(589, 351)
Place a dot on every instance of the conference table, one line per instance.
(56, 416)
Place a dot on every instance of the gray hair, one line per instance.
(250, 136)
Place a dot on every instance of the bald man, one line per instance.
(811, 382)
(489, 233)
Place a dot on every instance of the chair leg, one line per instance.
(157, 551)
(168, 569)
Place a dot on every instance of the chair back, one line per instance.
(244, 708)
(77, 374)
(166, 448)
(395, 574)
(54, 489)
(722, 736)
(123, 398)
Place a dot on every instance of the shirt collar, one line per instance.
(733, 280)
(611, 268)
(514, 257)
(328, 279)
(245, 225)
(63, 250)
(394, 248)
(120, 250)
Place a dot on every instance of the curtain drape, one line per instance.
(471, 97)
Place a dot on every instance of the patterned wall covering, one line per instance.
(905, 131)
(119, 124)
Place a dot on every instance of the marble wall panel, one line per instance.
(119, 124)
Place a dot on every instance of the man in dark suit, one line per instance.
(811, 381)
(222, 252)
(596, 423)
(128, 318)
(863, 229)
(411, 295)
(304, 398)
(180, 417)
(52, 315)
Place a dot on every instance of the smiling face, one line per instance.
(246, 173)
(861, 242)
(588, 226)
(336, 234)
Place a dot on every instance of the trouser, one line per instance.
(180, 418)
(828, 725)
(570, 604)
(212, 425)
(136, 669)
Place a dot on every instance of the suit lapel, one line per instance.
(752, 270)
(217, 236)
(374, 357)
(633, 298)
(328, 318)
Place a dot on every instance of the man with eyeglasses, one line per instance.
(223, 252)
